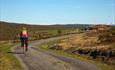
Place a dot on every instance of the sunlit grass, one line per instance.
(7, 60)
(76, 56)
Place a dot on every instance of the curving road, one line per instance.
(37, 59)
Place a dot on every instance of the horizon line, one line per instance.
(57, 23)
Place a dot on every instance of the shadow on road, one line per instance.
(16, 52)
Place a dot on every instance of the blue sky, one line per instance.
(58, 11)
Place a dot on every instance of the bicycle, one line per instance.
(25, 48)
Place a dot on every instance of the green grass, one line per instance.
(48, 33)
(83, 58)
(7, 60)
(55, 32)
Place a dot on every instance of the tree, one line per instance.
(59, 32)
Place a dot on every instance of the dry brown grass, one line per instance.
(91, 39)
(80, 40)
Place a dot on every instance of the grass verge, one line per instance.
(7, 60)
(100, 64)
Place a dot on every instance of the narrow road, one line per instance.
(37, 59)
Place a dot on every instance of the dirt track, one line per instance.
(37, 59)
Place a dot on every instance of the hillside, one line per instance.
(11, 31)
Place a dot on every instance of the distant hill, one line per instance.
(8, 30)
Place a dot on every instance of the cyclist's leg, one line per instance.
(22, 44)
(26, 44)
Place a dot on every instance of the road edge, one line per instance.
(19, 59)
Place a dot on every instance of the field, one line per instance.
(98, 46)
(11, 31)
(7, 59)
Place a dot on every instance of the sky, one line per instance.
(58, 11)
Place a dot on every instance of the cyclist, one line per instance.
(24, 39)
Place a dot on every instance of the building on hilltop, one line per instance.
(102, 27)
